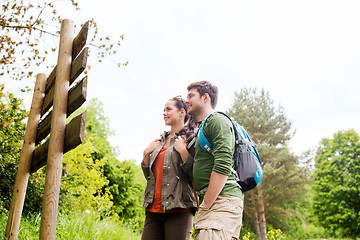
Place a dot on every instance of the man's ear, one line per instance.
(207, 97)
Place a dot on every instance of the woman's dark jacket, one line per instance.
(177, 191)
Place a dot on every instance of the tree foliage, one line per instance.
(126, 185)
(123, 178)
(84, 185)
(26, 31)
(336, 199)
(283, 180)
(255, 110)
(93, 178)
(83, 182)
(97, 129)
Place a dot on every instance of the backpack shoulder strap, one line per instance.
(204, 143)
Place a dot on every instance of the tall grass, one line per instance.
(74, 226)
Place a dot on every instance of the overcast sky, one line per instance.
(305, 53)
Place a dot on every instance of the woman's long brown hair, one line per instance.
(190, 121)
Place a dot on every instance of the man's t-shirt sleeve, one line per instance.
(220, 133)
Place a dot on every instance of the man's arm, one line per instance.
(223, 140)
(216, 184)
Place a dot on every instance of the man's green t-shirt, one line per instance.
(219, 131)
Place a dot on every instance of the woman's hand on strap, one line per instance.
(149, 149)
(180, 146)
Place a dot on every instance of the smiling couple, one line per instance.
(180, 174)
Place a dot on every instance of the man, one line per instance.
(221, 208)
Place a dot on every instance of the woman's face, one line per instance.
(172, 115)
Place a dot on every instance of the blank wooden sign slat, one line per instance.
(74, 136)
(39, 157)
(79, 65)
(50, 80)
(78, 44)
(44, 128)
(48, 101)
(75, 132)
(80, 40)
(77, 96)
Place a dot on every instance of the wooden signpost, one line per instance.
(53, 101)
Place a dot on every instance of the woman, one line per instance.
(167, 165)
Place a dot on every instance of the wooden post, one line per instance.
(22, 177)
(57, 133)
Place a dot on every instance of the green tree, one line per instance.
(26, 28)
(12, 130)
(337, 184)
(124, 183)
(127, 184)
(124, 178)
(84, 185)
(283, 180)
(83, 182)
(97, 129)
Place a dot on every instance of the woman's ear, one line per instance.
(183, 112)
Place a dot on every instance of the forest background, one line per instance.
(304, 194)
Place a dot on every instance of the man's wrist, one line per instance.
(207, 204)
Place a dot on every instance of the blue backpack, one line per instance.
(247, 163)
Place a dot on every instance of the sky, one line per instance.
(306, 54)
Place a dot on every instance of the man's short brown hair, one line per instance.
(205, 87)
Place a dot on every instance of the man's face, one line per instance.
(194, 102)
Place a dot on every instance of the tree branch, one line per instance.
(286, 179)
(291, 176)
(43, 31)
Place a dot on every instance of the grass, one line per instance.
(83, 226)
(74, 226)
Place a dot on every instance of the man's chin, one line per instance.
(192, 113)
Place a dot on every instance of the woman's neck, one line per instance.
(175, 129)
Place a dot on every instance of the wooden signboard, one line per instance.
(47, 136)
